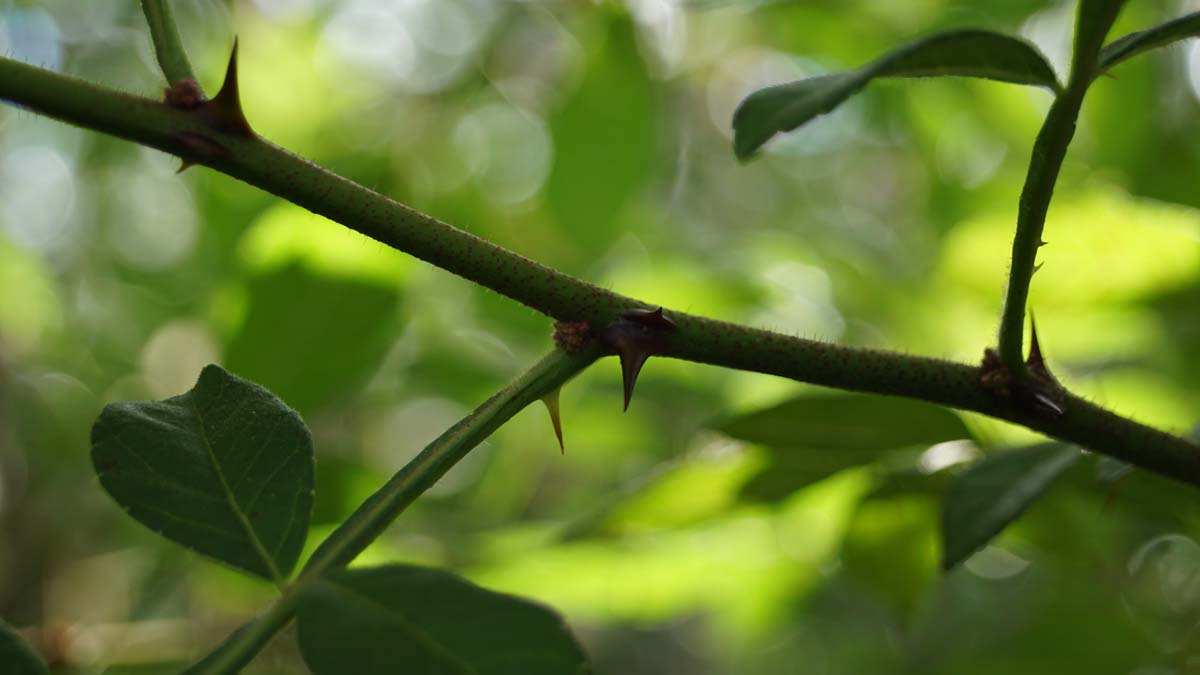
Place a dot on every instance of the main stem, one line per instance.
(564, 297)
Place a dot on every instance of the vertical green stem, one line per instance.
(168, 46)
(1093, 21)
(1049, 150)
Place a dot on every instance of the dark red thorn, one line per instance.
(184, 165)
(224, 111)
(651, 318)
(632, 357)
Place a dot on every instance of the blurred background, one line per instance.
(595, 137)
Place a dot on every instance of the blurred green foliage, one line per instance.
(595, 137)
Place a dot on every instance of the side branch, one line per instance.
(168, 46)
(564, 297)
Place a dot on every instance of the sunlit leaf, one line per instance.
(890, 550)
(604, 138)
(421, 621)
(225, 469)
(1129, 46)
(852, 422)
(968, 53)
(993, 493)
(313, 339)
(16, 656)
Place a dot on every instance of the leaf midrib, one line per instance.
(251, 535)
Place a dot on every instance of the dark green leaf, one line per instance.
(994, 492)
(1092, 24)
(792, 469)
(1129, 46)
(968, 53)
(852, 422)
(313, 339)
(16, 656)
(421, 621)
(604, 138)
(226, 469)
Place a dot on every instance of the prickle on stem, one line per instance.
(551, 401)
(635, 337)
(224, 111)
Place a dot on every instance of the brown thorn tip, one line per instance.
(632, 359)
(551, 401)
(225, 109)
(184, 165)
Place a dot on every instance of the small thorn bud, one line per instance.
(1042, 242)
(551, 401)
(184, 94)
(571, 336)
(1037, 267)
(224, 111)
(184, 165)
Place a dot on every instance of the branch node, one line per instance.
(571, 336)
(635, 337)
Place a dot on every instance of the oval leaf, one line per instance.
(1129, 46)
(967, 53)
(225, 469)
(16, 656)
(850, 422)
(994, 492)
(421, 621)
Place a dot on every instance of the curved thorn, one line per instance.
(551, 401)
(632, 357)
(225, 109)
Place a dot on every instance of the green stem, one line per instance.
(168, 46)
(561, 296)
(381, 509)
(1094, 20)
(1049, 150)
